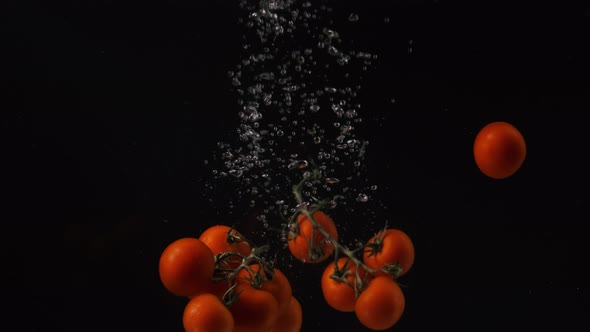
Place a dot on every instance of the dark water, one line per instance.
(112, 110)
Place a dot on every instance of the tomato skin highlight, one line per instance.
(255, 310)
(215, 238)
(381, 304)
(186, 267)
(291, 319)
(499, 150)
(279, 286)
(397, 247)
(206, 313)
(299, 244)
(338, 294)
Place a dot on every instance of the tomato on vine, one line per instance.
(307, 243)
(291, 319)
(222, 238)
(381, 304)
(339, 285)
(206, 313)
(186, 267)
(391, 250)
(254, 310)
(275, 282)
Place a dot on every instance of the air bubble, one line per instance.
(363, 198)
(332, 180)
(298, 164)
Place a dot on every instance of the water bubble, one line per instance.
(314, 108)
(330, 33)
(353, 17)
(267, 76)
(374, 187)
(332, 50)
(298, 164)
(363, 198)
(343, 60)
(236, 173)
(332, 180)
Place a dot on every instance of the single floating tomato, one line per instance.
(499, 150)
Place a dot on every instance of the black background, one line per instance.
(112, 108)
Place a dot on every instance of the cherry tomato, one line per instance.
(393, 247)
(291, 319)
(340, 295)
(279, 286)
(499, 150)
(215, 237)
(206, 313)
(255, 310)
(381, 304)
(300, 244)
(186, 267)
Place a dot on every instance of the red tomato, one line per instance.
(499, 150)
(395, 247)
(255, 310)
(186, 267)
(206, 313)
(291, 319)
(215, 237)
(300, 243)
(279, 286)
(339, 294)
(381, 304)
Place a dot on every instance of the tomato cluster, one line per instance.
(231, 289)
(364, 280)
